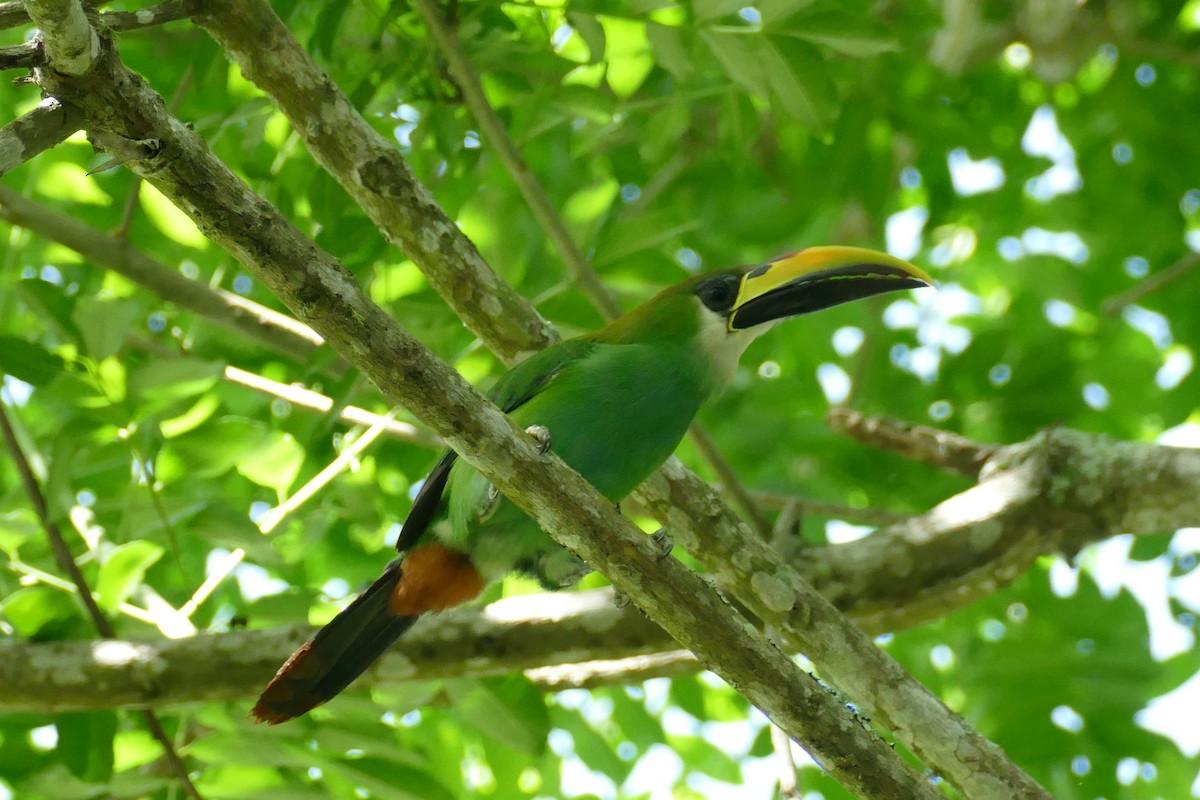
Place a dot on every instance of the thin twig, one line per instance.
(497, 136)
(941, 449)
(1116, 304)
(232, 311)
(66, 563)
(307, 398)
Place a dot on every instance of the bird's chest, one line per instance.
(614, 423)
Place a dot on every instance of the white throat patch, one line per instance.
(725, 347)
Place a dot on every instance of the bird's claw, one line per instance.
(620, 599)
(663, 542)
(541, 435)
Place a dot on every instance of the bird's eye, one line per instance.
(718, 294)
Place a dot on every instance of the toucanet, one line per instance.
(613, 405)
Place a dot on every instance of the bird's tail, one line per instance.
(338, 653)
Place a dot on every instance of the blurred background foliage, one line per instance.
(1039, 157)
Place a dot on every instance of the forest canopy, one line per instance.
(997, 480)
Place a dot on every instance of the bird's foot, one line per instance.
(663, 542)
(620, 599)
(489, 506)
(541, 435)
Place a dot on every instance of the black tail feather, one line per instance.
(338, 653)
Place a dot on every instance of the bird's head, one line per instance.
(726, 309)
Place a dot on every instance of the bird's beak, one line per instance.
(816, 278)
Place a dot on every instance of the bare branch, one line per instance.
(20, 56)
(746, 567)
(1036, 497)
(373, 172)
(528, 184)
(47, 125)
(307, 398)
(72, 46)
(937, 448)
(513, 634)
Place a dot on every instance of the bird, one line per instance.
(613, 404)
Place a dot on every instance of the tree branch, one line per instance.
(47, 125)
(1115, 305)
(745, 566)
(320, 291)
(1035, 498)
(938, 448)
(497, 136)
(161, 14)
(270, 328)
(66, 563)
(512, 634)
(71, 43)
(375, 175)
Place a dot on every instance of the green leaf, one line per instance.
(592, 748)
(776, 10)
(592, 32)
(740, 56)
(800, 82)
(163, 381)
(702, 756)
(39, 612)
(843, 32)
(382, 778)
(275, 463)
(48, 300)
(27, 361)
(123, 571)
(634, 233)
(85, 741)
(707, 10)
(104, 324)
(249, 748)
(510, 709)
(669, 49)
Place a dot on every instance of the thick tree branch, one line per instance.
(498, 139)
(47, 125)
(121, 108)
(513, 634)
(744, 565)
(372, 171)
(71, 43)
(1054, 491)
